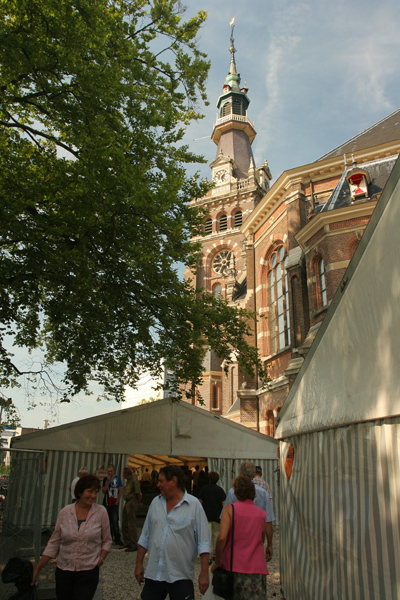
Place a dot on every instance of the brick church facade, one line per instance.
(281, 250)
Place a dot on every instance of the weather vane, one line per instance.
(232, 49)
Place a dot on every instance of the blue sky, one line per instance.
(317, 72)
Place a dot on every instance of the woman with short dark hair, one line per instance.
(81, 540)
(249, 563)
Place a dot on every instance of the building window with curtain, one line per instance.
(278, 301)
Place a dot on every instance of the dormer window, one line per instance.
(358, 180)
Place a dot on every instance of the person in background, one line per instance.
(82, 471)
(154, 478)
(249, 563)
(206, 474)
(259, 481)
(189, 476)
(146, 477)
(112, 490)
(202, 481)
(81, 540)
(195, 479)
(261, 500)
(174, 533)
(212, 498)
(132, 496)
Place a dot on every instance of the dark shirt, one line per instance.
(212, 497)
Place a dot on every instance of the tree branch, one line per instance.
(39, 133)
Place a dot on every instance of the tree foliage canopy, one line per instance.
(94, 197)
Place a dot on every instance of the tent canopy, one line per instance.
(351, 373)
(164, 429)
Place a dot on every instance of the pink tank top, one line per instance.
(248, 547)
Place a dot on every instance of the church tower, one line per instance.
(238, 187)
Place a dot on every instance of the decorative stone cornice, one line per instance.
(322, 219)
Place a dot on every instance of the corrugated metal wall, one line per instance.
(228, 469)
(340, 511)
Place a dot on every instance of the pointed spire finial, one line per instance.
(232, 48)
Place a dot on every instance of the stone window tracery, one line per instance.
(221, 262)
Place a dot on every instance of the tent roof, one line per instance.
(159, 428)
(351, 373)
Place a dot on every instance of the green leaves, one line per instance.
(94, 199)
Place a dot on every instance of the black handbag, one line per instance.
(222, 580)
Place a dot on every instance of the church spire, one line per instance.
(232, 49)
(233, 131)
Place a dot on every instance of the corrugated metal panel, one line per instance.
(340, 511)
(228, 469)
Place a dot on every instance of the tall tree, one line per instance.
(95, 96)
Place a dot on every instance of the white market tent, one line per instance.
(151, 435)
(340, 508)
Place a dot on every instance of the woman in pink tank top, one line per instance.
(249, 563)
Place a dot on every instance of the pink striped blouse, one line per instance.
(79, 550)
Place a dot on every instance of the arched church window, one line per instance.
(238, 218)
(217, 290)
(223, 223)
(221, 262)
(278, 301)
(208, 226)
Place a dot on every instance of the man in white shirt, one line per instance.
(175, 532)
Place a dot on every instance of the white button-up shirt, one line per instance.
(175, 539)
